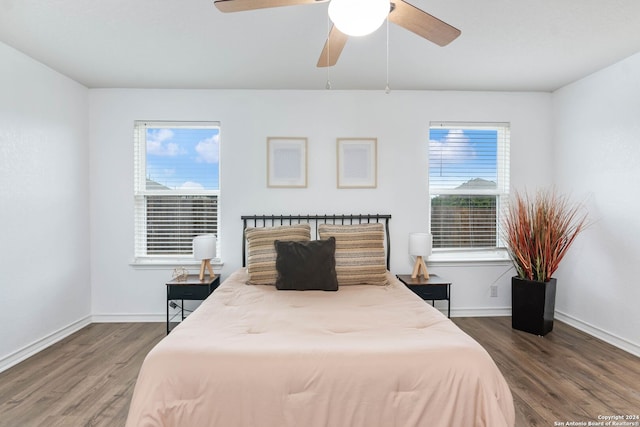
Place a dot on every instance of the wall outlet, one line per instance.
(494, 291)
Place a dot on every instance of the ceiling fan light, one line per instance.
(358, 17)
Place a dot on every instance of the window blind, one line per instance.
(468, 183)
(176, 186)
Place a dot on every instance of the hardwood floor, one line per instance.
(87, 379)
(566, 376)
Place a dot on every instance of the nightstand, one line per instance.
(190, 289)
(435, 288)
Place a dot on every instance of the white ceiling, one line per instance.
(515, 45)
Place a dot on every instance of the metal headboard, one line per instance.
(276, 220)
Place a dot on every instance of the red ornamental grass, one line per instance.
(538, 233)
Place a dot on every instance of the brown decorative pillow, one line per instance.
(360, 255)
(305, 266)
(261, 252)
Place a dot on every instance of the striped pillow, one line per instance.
(360, 255)
(261, 251)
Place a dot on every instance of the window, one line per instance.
(177, 187)
(468, 184)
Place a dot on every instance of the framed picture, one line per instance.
(286, 162)
(357, 162)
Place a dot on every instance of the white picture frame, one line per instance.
(286, 162)
(357, 162)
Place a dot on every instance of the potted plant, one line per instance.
(538, 232)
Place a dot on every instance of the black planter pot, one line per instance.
(532, 305)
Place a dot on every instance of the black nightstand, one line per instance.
(436, 288)
(190, 289)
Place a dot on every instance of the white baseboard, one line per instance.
(29, 350)
(599, 333)
(479, 312)
(128, 318)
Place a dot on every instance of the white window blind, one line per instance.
(176, 186)
(468, 183)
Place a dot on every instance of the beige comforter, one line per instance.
(369, 356)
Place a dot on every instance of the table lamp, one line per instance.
(420, 246)
(204, 249)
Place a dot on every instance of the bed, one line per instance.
(371, 355)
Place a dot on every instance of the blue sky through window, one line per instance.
(184, 158)
(458, 156)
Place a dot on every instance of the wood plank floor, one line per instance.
(87, 379)
(565, 376)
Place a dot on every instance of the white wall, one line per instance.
(44, 199)
(399, 120)
(597, 159)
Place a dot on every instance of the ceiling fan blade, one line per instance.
(332, 48)
(421, 23)
(242, 5)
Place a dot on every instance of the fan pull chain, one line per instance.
(328, 85)
(387, 89)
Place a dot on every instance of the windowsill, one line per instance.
(480, 257)
(171, 263)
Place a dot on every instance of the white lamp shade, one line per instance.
(358, 17)
(204, 246)
(420, 244)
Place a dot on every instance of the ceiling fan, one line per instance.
(399, 12)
